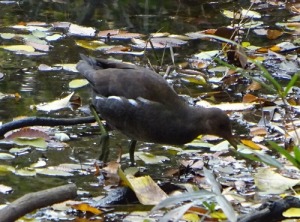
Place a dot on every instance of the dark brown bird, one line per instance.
(141, 104)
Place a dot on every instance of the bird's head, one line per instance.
(218, 123)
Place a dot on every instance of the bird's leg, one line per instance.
(131, 151)
(104, 138)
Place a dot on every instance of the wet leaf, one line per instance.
(274, 34)
(258, 131)
(41, 47)
(61, 137)
(20, 151)
(118, 34)
(223, 146)
(5, 189)
(198, 80)
(207, 55)
(54, 37)
(81, 30)
(55, 105)
(244, 14)
(149, 158)
(270, 182)
(40, 163)
(234, 106)
(36, 142)
(31, 28)
(26, 133)
(77, 83)
(44, 67)
(18, 48)
(86, 208)
(71, 67)
(25, 172)
(146, 190)
(39, 34)
(251, 144)
(54, 172)
(7, 35)
(93, 45)
(6, 169)
(6, 156)
(254, 86)
(291, 212)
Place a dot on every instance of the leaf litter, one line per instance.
(196, 61)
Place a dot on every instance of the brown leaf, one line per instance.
(226, 32)
(274, 34)
(254, 86)
(27, 132)
(255, 131)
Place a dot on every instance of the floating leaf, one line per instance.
(71, 67)
(81, 30)
(93, 45)
(5, 189)
(149, 158)
(41, 47)
(26, 132)
(86, 208)
(6, 169)
(53, 37)
(55, 105)
(61, 137)
(77, 83)
(244, 14)
(118, 34)
(6, 156)
(7, 35)
(198, 80)
(44, 67)
(19, 151)
(26, 172)
(16, 48)
(36, 142)
(54, 172)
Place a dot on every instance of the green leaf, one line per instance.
(285, 153)
(297, 153)
(291, 83)
(36, 142)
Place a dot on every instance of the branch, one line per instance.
(43, 121)
(36, 200)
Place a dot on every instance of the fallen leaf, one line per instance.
(270, 182)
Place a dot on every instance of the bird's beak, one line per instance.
(233, 141)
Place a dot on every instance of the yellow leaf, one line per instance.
(146, 190)
(190, 217)
(292, 212)
(251, 144)
(16, 48)
(218, 215)
(86, 208)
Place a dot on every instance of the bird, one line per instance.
(143, 106)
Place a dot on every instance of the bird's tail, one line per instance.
(95, 64)
(98, 63)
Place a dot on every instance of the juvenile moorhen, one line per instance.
(141, 104)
